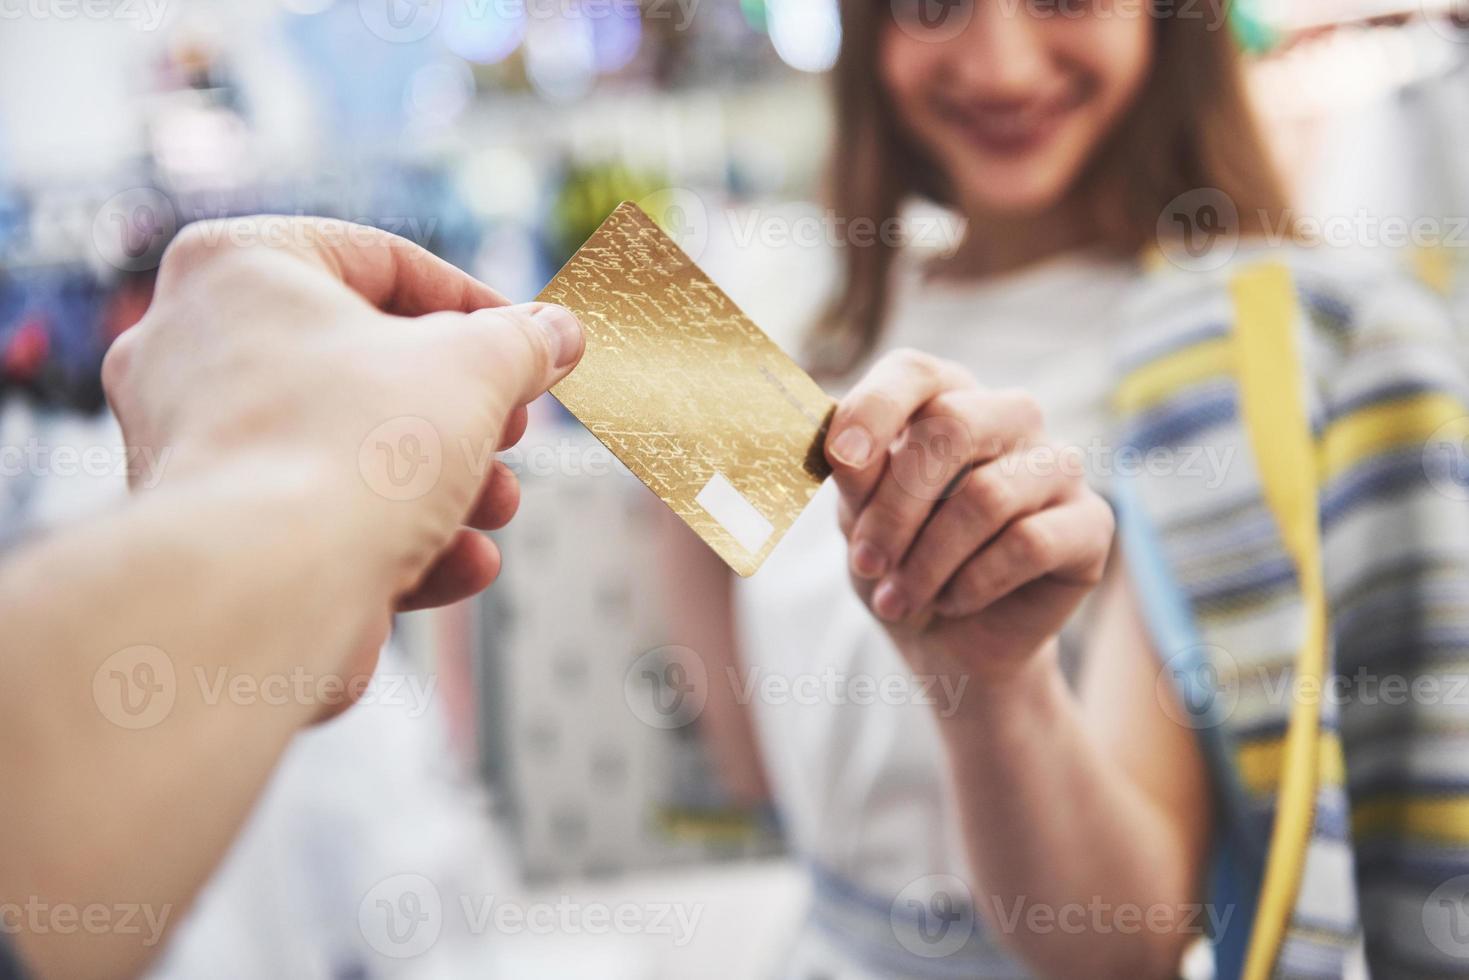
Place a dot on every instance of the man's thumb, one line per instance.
(536, 345)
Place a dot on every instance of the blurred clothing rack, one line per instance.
(1311, 15)
(1351, 61)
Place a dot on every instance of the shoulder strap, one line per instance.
(1273, 409)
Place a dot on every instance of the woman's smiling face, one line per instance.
(1012, 98)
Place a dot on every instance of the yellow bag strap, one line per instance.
(1273, 408)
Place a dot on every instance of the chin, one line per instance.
(1018, 185)
(1010, 197)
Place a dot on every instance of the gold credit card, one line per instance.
(688, 392)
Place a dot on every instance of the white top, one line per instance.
(851, 745)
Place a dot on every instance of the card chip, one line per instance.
(735, 514)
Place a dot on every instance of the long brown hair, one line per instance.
(1191, 127)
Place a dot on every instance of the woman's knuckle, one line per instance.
(846, 413)
(953, 403)
(1092, 575)
(974, 581)
(891, 516)
(1033, 543)
(989, 494)
(912, 359)
(884, 515)
(1032, 417)
(882, 403)
(1070, 464)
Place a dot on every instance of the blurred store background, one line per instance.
(499, 133)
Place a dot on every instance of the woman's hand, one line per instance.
(970, 535)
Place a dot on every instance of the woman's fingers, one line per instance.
(877, 410)
(990, 498)
(1068, 543)
(954, 431)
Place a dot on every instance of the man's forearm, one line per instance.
(156, 662)
(1076, 870)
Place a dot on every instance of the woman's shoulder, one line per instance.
(1363, 321)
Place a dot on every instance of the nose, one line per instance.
(1001, 55)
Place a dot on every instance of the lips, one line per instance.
(1009, 129)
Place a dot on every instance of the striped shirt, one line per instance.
(1376, 881)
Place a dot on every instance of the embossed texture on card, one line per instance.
(689, 393)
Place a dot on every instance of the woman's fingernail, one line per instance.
(888, 602)
(867, 561)
(563, 329)
(852, 446)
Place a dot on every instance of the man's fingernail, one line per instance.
(867, 561)
(852, 446)
(888, 602)
(564, 331)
